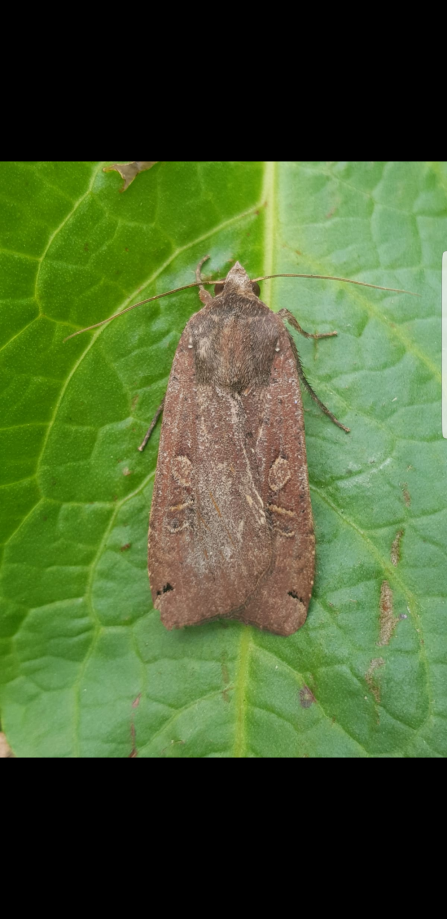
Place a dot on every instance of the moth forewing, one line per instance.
(281, 601)
(231, 532)
(206, 552)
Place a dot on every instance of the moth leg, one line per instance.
(287, 316)
(198, 269)
(152, 425)
(310, 390)
(204, 295)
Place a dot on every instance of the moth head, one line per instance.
(237, 281)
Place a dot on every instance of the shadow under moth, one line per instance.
(231, 532)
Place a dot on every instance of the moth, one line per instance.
(231, 532)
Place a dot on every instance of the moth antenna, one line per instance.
(175, 290)
(330, 277)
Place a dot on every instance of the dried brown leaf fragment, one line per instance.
(129, 171)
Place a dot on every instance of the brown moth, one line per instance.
(231, 532)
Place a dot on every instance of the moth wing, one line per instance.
(281, 600)
(210, 543)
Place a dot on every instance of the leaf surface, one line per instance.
(86, 668)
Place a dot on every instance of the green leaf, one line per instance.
(86, 668)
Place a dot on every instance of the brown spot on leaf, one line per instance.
(133, 753)
(129, 171)
(395, 548)
(136, 701)
(5, 749)
(306, 697)
(127, 471)
(406, 494)
(134, 401)
(331, 212)
(373, 686)
(124, 548)
(387, 620)
(225, 673)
